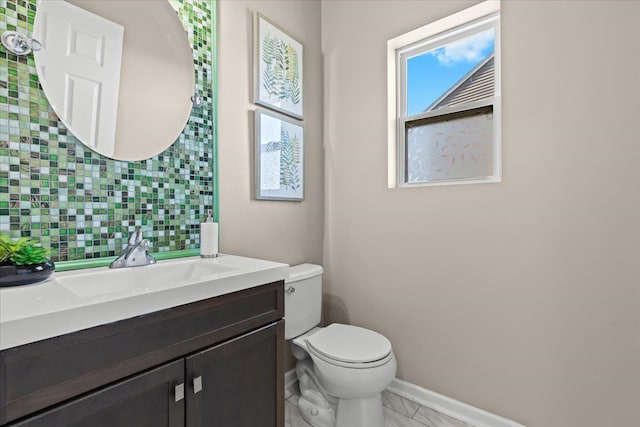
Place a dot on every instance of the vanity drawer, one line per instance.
(37, 375)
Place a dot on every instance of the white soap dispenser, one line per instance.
(209, 237)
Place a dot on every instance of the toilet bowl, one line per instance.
(341, 369)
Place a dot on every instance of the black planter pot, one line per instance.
(16, 275)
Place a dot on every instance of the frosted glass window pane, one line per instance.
(451, 148)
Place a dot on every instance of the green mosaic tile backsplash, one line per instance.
(83, 205)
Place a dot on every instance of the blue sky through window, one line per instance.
(432, 73)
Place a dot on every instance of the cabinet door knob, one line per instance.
(290, 290)
(179, 392)
(197, 384)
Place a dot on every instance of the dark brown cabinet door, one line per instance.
(239, 383)
(145, 400)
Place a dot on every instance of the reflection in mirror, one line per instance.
(120, 75)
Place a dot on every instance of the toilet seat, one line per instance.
(350, 346)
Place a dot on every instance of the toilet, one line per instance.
(341, 369)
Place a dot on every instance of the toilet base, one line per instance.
(364, 412)
(316, 415)
(316, 407)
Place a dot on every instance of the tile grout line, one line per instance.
(409, 418)
(404, 416)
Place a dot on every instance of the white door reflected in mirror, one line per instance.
(119, 75)
(83, 51)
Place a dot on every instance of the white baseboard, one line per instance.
(445, 405)
(448, 406)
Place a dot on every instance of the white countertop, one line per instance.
(60, 305)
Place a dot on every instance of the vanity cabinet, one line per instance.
(216, 362)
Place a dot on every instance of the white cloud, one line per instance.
(470, 49)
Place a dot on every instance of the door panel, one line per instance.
(79, 67)
(146, 400)
(242, 382)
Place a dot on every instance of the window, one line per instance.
(444, 101)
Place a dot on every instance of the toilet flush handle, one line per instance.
(290, 290)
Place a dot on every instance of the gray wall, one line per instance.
(288, 232)
(521, 298)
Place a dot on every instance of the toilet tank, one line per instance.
(302, 299)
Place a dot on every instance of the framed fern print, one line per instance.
(278, 68)
(279, 154)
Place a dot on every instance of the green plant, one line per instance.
(30, 254)
(8, 246)
(23, 251)
(4, 254)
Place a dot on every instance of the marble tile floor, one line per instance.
(398, 412)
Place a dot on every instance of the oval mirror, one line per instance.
(119, 75)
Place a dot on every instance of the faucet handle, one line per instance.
(136, 237)
(144, 244)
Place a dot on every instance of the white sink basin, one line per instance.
(144, 279)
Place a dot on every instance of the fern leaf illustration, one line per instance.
(291, 57)
(281, 77)
(295, 93)
(296, 149)
(286, 160)
(267, 50)
(268, 80)
(295, 177)
(271, 57)
(271, 147)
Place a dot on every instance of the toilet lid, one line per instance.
(351, 344)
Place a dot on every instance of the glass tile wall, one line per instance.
(83, 205)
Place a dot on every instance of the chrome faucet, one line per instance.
(135, 254)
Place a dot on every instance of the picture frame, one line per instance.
(279, 157)
(278, 68)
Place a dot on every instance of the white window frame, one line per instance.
(481, 17)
